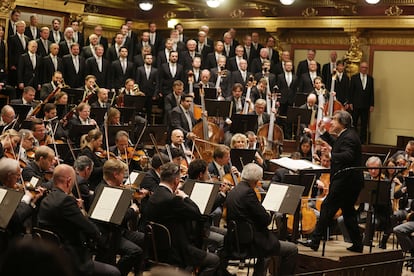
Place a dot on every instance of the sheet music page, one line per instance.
(106, 204)
(3, 193)
(200, 195)
(274, 197)
(295, 165)
(131, 179)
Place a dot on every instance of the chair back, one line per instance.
(158, 242)
(239, 239)
(46, 235)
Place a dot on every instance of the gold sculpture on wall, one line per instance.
(6, 6)
(354, 56)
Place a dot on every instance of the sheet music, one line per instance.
(106, 204)
(274, 197)
(295, 165)
(201, 194)
(3, 193)
(131, 179)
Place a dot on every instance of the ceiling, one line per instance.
(242, 8)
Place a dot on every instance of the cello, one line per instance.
(247, 102)
(210, 133)
(270, 135)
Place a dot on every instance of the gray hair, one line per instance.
(252, 172)
(7, 165)
(82, 162)
(373, 160)
(344, 118)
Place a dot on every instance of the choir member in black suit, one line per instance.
(182, 117)
(74, 67)
(202, 47)
(28, 70)
(32, 31)
(211, 58)
(164, 54)
(256, 43)
(249, 52)
(273, 54)
(243, 206)
(265, 73)
(121, 69)
(14, 18)
(196, 69)
(177, 45)
(181, 37)
(126, 41)
(303, 66)
(133, 36)
(64, 45)
(148, 81)
(43, 43)
(345, 186)
(233, 62)
(56, 36)
(51, 63)
(361, 99)
(328, 69)
(307, 78)
(280, 67)
(17, 45)
(170, 72)
(155, 38)
(241, 76)
(89, 50)
(143, 42)
(60, 213)
(173, 99)
(228, 48)
(257, 63)
(99, 67)
(2, 52)
(174, 209)
(139, 58)
(186, 57)
(113, 52)
(341, 84)
(77, 35)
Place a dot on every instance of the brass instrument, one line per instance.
(136, 91)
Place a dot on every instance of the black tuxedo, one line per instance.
(231, 64)
(327, 75)
(15, 50)
(236, 77)
(102, 78)
(161, 58)
(288, 92)
(33, 170)
(214, 171)
(41, 48)
(166, 80)
(210, 61)
(226, 83)
(81, 40)
(118, 77)
(111, 54)
(151, 180)
(179, 120)
(10, 32)
(158, 42)
(256, 66)
(48, 68)
(231, 52)
(361, 99)
(235, 110)
(250, 57)
(303, 67)
(73, 79)
(345, 186)
(272, 79)
(150, 86)
(305, 83)
(52, 37)
(87, 52)
(46, 89)
(175, 213)
(138, 48)
(60, 213)
(169, 103)
(342, 88)
(26, 73)
(103, 41)
(64, 48)
(28, 33)
(186, 60)
(204, 52)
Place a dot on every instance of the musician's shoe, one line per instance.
(356, 248)
(313, 244)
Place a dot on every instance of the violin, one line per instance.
(103, 154)
(132, 154)
(10, 155)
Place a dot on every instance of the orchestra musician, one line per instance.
(123, 151)
(90, 87)
(173, 99)
(8, 141)
(7, 116)
(27, 97)
(244, 206)
(92, 149)
(40, 134)
(345, 153)
(174, 209)
(53, 126)
(83, 166)
(103, 100)
(114, 117)
(259, 91)
(259, 110)
(119, 239)
(183, 118)
(60, 213)
(41, 167)
(220, 164)
(27, 142)
(9, 177)
(49, 87)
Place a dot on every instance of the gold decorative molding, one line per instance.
(309, 12)
(394, 11)
(6, 6)
(237, 13)
(54, 5)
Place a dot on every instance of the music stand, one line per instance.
(241, 123)
(9, 200)
(241, 157)
(409, 182)
(113, 130)
(135, 178)
(209, 93)
(202, 193)
(218, 108)
(300, 99)
(75, 95)
(98, 114)
(77, 131)
(374, 192)
(138, 102)
(299, 116)
(159, 131)
(61, 110)
(127, 114)
(21, 111)
(63, 152)
(110, 204)
(282, 198)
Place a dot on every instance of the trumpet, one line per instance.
(136, 91)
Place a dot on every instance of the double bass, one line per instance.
(333, 104)
(270, 135)
(209, 133)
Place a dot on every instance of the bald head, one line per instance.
(64, 177)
